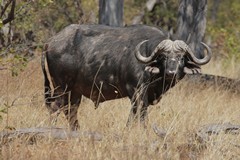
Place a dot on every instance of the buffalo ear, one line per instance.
(153, 70)
(191, 68)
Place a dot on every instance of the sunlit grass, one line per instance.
(181, 112)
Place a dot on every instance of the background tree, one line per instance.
(36, 21)
(214, 9)
(111, 12)
(6, 16)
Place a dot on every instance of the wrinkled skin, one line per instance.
(98, 62)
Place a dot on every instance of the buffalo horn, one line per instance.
(164, 44)
(203, 61)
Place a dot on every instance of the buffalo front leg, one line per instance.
(138, 111)
(71, 110)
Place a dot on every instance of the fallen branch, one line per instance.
(194, 148)
(158, 131)
(54, 133)
(3, 68)
(214, 129)
(207, 80)
(204, 132)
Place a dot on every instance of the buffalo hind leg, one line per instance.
(71, 110)
(55, 106)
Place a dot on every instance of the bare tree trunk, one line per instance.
(214, 10)
(192, 24)
(111, 12)
(78, 6)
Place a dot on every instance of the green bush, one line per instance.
(225, 31)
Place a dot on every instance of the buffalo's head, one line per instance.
(172, 58)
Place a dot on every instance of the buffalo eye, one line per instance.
(181, 61)
(164, 58)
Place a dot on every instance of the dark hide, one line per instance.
(98, 62)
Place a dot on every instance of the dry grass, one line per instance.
(181, 112)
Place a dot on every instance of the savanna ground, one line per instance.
(182, 111)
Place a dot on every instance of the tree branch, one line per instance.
(4, 8)
(78, 4)
(11, 13)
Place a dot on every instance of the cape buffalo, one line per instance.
(104, 63)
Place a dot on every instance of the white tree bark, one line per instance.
(111, 12)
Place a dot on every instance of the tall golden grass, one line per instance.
(181, 112)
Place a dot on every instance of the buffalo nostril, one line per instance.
(172, 72)
(173, 59)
